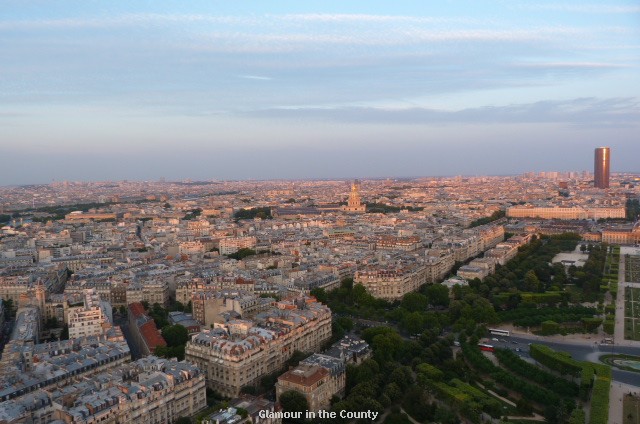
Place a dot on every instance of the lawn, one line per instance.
(631, 409)
(632, 313)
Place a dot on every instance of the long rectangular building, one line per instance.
(392, 282)
(575, 212)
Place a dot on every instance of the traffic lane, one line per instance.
(627, 377)
(591, 353)
(583, 351)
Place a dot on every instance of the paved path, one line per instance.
(618, 390)
(536, 417)
(618, 335)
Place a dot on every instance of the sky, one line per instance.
(110, 90)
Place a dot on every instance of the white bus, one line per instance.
(496, 332)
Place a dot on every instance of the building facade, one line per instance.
(89, 319)
(391, 282)
(239, 353)
(602, 161)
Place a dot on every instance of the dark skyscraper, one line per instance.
(601, 167)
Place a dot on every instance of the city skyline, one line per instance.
(298, 91)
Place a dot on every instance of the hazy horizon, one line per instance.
(291, 90)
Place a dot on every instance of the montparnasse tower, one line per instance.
(354, 204)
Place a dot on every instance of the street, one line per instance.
(579, 351)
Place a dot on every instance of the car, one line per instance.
(514, 342)
(517, 349)
(494, 339)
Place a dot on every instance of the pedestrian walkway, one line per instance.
(618, 390)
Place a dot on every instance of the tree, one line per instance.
(51, 323)
(413, 322)
(292, 401)
(242, 253)
(531, 281)
(414, 302)
(175, 335)
(9, 311)
(64, 335)
(393, 392)
(549, 328)
(320, 294)
(170, 352)
(368, 370)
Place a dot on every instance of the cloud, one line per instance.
(580, 111)
(581, 8)
(255, 77)
(571, 65)
(133, 20)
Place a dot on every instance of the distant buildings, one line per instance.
(573, 212)
(602, 159)
(354, 204)
(629, 235)
(233, 244)
(88, 216)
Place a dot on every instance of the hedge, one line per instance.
(528, 390)
(609, 326)
(577, 416)
(600, 401)
(529, 371)
(557, 361)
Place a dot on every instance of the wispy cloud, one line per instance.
(582, 111)
(256, 77)
(132, 19)
(572, 65)
(580, 8)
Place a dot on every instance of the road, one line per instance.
(579, 351)
(586, 350)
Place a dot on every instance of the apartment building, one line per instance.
(437, 267)
(143, 330)
(391, 282)
(238, 353)
(208, 306)
(25, 368)
(89, 319)
(186, 289)
(407, 243)
(152, 291)
(231, 245)
(311, 381)
(148, 391)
